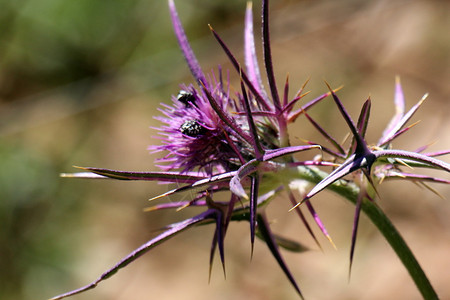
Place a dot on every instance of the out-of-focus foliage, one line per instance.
(79, 84)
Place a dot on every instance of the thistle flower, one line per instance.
(195, 137)
(214, 140)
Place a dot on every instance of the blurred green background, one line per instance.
(80, 82)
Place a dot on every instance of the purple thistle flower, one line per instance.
(214, 141)
(194, 136)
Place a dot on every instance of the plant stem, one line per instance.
(381, 221)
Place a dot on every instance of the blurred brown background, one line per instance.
(80, 82)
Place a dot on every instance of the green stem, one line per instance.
(381, 221)
(390, 233)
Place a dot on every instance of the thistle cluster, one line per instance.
(215, 140)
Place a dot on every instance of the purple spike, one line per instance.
(218, 240)
(177, 205)
(244, 76)
(319, 222)
(418, 177)
(397, 134)
(353, 163)
(363, 119)
(253, 208)
(251, 125)
(361, 146)
(211, 254)
(413, 156)
(200, 184)
(355, 227)
(313, 163)
(302, 217)
(260, 114)
(229, 212)
(172, 231)
(399, 125)
(294, 115)
(325, 134)
(264, 229)
(328, 150)
(289, 244)
(272, 154)
(268, 56)
(288, 105)
(189, 55)
(286, 92)
(251, 61)
(152, 176)
(399, 102)
(234, 147)
(84, 175)
(399, 99)
(224, 116)
(437, 153)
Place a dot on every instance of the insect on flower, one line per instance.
(192, 128)
(186, 98)
(217, 141)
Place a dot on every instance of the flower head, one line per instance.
(193, 135)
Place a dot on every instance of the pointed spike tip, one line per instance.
(331, 241)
